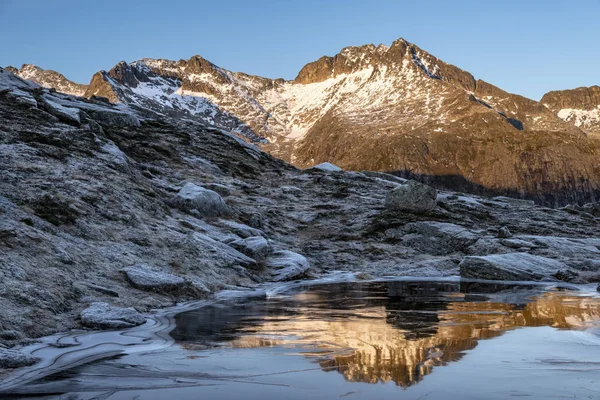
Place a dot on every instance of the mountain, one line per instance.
(385, 108)
(579, 106)
(92, 192)
(49, 79)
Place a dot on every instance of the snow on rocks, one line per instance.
(325, 167)
(412, 197)
(10, 358)
(104, 316)
(509, 266)
(286, 266)
(205, 202)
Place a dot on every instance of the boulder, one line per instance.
(325, 167)
(438, 238)
(412, 197)
(510, 267)
(598, 288)
(105, 316)
(504, 233)
(256, 247)
(287, 266)
(517, 243)
(145, 278)
(204, 201)
(15, 359)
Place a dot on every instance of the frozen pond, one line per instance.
(370, 340)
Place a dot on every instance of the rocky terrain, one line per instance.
(385, 108)
(579, 106)
(107, 211)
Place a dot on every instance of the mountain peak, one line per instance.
(49, 79)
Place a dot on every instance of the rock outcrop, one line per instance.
(287, 266)
(510, 267)
(206, 203)
(104, 316)
(414, 197)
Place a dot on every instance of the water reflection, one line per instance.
(384, 332)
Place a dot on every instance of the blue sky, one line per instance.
(527, 47)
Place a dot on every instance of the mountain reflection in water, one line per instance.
(385, 331)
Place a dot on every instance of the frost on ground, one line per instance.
(89, 214)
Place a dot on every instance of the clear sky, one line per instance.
(527, 47)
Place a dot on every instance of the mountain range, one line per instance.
(385, 108)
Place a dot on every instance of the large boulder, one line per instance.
(413, 197)
(510, 267)
(15, 359)
(287, 266)
(205, 202)
(145, 278)
(256, 247)
(438, 238)
(105, 316)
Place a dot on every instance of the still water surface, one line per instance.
(375, 340)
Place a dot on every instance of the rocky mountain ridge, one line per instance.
(387, 108)
(49, 79)
(579, 106)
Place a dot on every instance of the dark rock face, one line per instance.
(100, 86)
